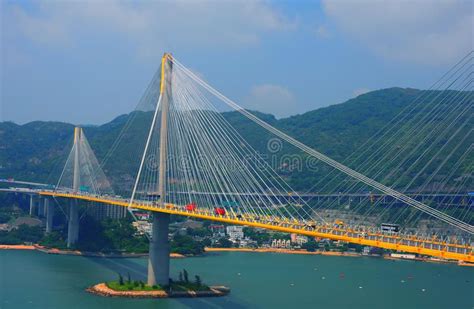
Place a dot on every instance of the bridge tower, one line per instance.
(73, 220)
(159, 250)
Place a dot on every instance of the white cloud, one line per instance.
(151, 26)
(428, 32)
(360, 91)
(274, 99)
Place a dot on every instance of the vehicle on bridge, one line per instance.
(191, 206)
(154, 195)
(389, 227)
(219, 211)
(311, 225)
(169, 206)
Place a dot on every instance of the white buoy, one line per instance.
(423, 290)
(360, 287)
(323, 278)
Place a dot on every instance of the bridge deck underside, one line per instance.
(399, 242)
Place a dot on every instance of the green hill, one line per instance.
(36, 151)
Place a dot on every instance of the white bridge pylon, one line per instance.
(82, 171)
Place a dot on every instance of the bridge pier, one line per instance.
(159, 251)
(41, 207)
(73, 224)
(32, 205)
(49, 215)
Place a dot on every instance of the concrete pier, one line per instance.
(73, 224)
(159, 251)
(41, 207)
(32, 205)
(49, 208)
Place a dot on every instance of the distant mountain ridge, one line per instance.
(36, 150)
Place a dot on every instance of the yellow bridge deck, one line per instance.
(399, 242)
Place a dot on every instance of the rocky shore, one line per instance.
(210, 250)
(102, 289)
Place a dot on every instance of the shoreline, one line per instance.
(17, 247)
(211, 250)
(334, 253)
(81, 253)
(102, 289)
(283, 251)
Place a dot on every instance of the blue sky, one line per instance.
(87, 62)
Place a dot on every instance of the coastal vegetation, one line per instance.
(105, 236)
(21, 234)
(182, 284)
(310, 246)
(132, 286)
(186, 245)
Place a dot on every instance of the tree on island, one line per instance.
(185, 275)
(198, 280)
(120, 279)
(180, 276)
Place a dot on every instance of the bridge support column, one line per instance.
(159, 251)
(73, 224)
(41, 207)
(32, 205)
(49, 208)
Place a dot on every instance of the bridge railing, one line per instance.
(351, 234)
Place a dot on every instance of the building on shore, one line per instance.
(236, 233)
(298, 240)
(218, 230)
(248, 243)
(281, 243)
(143, 227)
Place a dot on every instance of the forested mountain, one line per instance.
(37, 150)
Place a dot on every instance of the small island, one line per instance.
(182, 287)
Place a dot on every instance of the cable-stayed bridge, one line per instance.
(195, 163)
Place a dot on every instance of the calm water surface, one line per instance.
(30, 279)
